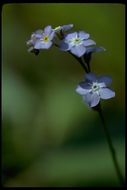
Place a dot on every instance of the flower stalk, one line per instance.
(109, 141)
(110, 144)
(80, 61)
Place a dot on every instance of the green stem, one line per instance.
(109, 141)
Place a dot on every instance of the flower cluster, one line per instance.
(78, 44)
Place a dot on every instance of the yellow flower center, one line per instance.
(77, 40)
(46, 38)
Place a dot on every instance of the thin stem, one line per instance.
(56, 44)
(88, 67)
(109, 141)
(87, 64)
(80, 61)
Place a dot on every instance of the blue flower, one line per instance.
(41, 39)
(94, 89)
(34, 38)
(76, 42)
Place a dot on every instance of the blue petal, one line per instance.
(83, 35)
(71, 36)
(106, 93)
(90, 77)
(81, 90)
(67, 27)
(97, 49)
(42, 45)
(47, 30)
(91, 99)
(104, 79)
(51, 36)
(89, 42)
(85, 85)
(78, 50)
(63, 46)
(38, 32)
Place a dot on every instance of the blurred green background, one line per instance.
(49, 136)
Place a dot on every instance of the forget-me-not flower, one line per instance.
(94, 89)
(76, 43)
(41, 39)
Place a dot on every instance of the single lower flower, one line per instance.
(76, 42)
(94, 88)
(41, 39)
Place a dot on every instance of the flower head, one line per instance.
(76, 42)
(94, 89)
(41, 39)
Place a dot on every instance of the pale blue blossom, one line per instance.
(41, 39)
(76, 43)
(94, 88)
